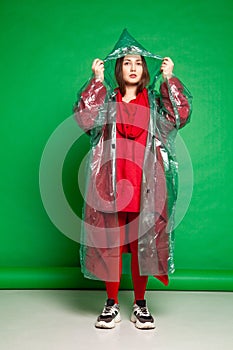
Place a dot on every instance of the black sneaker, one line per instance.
(110, 315)
(141, 316)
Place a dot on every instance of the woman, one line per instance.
(131, 191)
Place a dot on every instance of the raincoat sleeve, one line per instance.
(174, 102)
(89, 104)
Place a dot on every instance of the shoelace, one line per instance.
(143, 311)
(109, 310)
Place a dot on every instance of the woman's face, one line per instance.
(132, 69)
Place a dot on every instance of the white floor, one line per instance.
(64, 320)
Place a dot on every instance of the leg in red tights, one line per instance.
(112, 288)
(139, 282)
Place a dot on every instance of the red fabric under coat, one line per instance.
(131, 134)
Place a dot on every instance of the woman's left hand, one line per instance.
(167, 67)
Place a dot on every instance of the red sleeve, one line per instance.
(86, 109)
(180, 99)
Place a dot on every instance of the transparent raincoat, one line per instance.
(169, 108)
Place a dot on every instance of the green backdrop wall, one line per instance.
(46, 52)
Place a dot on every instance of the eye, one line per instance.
(126, 63)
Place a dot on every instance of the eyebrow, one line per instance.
(137, 60)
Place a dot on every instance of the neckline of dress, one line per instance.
(133, 99)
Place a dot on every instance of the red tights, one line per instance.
(129, 236)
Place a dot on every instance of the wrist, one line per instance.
(169, 76)
(98, 78)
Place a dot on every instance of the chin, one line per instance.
(132, 83)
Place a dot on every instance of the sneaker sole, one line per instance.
(108, 325)
(141, 325)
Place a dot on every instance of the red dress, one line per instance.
(131, 134)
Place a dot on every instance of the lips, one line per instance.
(133, 76)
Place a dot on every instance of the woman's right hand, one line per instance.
(98, 69)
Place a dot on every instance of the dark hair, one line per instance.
(119, 76)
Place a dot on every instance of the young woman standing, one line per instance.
(131, 191)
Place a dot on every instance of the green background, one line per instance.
(47, 48)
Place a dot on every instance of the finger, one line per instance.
(100, 62)
(100, 70)
(168, 60)
(95, 62)
(99, 66)
(163, 66)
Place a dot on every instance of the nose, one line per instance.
(133, 67)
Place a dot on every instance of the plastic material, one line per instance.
(168, 106)
(72, 277)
